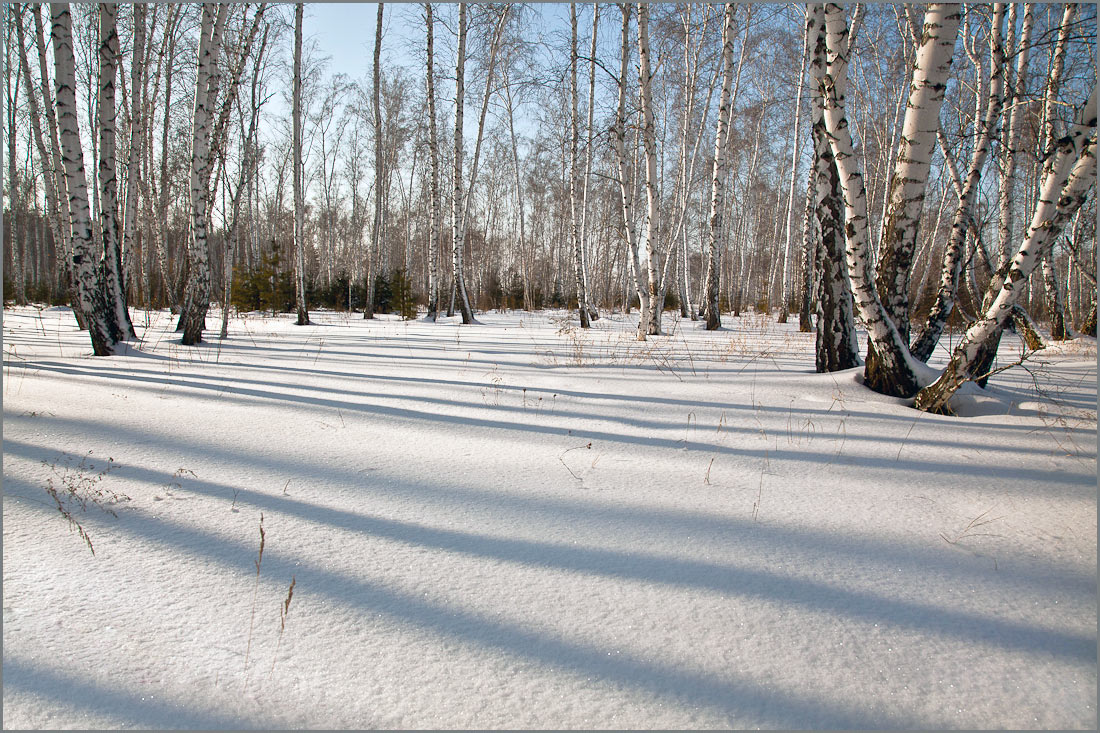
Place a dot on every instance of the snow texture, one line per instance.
(519, 524)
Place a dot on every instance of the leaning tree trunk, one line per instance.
(90, 298)
(64, 221)
(574, 128)
(114, 289)
(720, 169)
(1014, 115)
(296, 155)
(953, 253)
(49, 178)
(836, 347)
(1068, 176)
(909, 183)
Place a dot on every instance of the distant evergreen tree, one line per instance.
(403, 298)
(383, 294)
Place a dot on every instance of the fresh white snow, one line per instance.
(519, 524)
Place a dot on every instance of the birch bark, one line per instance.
(650, 324)
(711, 308)
(784, 309)
(953, 254)
(1068, 176)
(905, 200)
(574, 194)
(118, 318)
(836, 346)
(197, 299)
(434, 213)
(138, 64)
(626, 179)
(90, 298)
(458, 215)
(296, 155)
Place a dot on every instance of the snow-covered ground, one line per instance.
(518, 524)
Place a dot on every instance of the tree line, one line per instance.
(904, 167)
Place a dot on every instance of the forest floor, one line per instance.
(518, 524)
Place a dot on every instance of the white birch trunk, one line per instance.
(434, 214)
(197, 299)
(910, 176)
(138, 65)
(784, 308)
(880, 329)
(107, 174)
(296, 155)
(90, 298)
(1059, 330)
(62, 219)
(905, 199)
(458, 216)
(593, 311)
(380, 176)
(626, 182)
(1069, 175)
(651, 321)
(711, 309)
(836, 345)
(574, 194)
(18, 243)
(954, 251)
(1014, 117)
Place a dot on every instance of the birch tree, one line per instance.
(720, 168)
(1068, 176)
(784, 308)
(953, 254)
(1056, 310)
(457, 209)
(593, 311)
(626, 173)
(905, 199)
(836, 347)
(574, 194)
(107, 174)
(45, 155)
(18, 247)
(434, 214)
(650, 323)
(90, 298)
(296, 153)
(379, 171)
(138, 66)
(197, 299)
